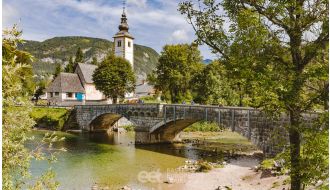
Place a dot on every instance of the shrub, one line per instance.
(203, 166)
(128, 127)
(50, 118)
(203, 126)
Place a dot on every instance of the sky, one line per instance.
(153, 23)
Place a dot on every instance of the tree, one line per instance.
(177, 66)
(40, 90)
(114, 77)
(79, 56)
(17, 123)
(70, 66)
(94, 61)
(212, 86)
(280, 40)
(58, 70)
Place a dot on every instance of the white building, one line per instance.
(78, 88)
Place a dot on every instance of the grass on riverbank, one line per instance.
(225, 141)
(50, 118)
(203, 127)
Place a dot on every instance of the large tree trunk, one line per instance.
(295, 140)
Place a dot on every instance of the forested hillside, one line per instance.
(59, 49)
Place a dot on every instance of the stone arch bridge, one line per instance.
(157, 123)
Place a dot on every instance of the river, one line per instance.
(112, 160)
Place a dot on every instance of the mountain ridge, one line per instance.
(59, 49)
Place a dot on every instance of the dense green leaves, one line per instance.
(212, 86)
(275, 51)
(16, 121)
(178, 64)
(114, 77)
(71, 66)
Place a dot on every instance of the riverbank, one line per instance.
(239, 174)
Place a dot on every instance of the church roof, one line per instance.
(87, 71)
(66, 82)
(123, 27)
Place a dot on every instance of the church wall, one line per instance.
(129, 51)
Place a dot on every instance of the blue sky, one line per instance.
(153, 23)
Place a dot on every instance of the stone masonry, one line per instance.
(157, 123)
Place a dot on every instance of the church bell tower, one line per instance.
(123, 40)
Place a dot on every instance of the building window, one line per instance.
(69, 94)
(57, 93)
(129, 44)
(119, 43)
(51, 94)
(75, 95)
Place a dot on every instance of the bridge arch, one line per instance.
(106, 121)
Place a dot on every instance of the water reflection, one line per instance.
(112, 159)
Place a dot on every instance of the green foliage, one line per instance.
(114, 77)
(50, 118)
(212, 86)
(94, 61)
(70, 66)
(203, 166)
(177, 66)
(58, 70)
(267, 164)
(128, 127)
(151, 99)
(203, 126)
(17, 123)
(79, 56)
(60, 49)
(276, 66)
(314, 159)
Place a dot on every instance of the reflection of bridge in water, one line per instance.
(156, 123)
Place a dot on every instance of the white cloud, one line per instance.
(139, 3)
(179, 36)
(9, 15)
(153, 23)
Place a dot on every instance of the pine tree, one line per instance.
(70, 66)
(94, 61)
(79, 56)
(58, 70)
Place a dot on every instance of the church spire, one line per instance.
(123, 24)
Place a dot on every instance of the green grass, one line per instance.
(267, 164)
(220, 141)
(50, 118)
(128, 127)
(151, 99)
(203, 126)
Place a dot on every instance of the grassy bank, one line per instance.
(211, 137)
(50, 118)
(203, 127)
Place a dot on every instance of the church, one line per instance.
(78, 88)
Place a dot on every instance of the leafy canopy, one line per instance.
(114, 77)
(177, 66)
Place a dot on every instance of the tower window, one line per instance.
(129, 44)
(119, 43)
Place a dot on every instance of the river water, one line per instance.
(111, 160)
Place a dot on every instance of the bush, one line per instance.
(203, 126)
(267, 164)
(203, 166)
(128, 127)
(50, 118)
